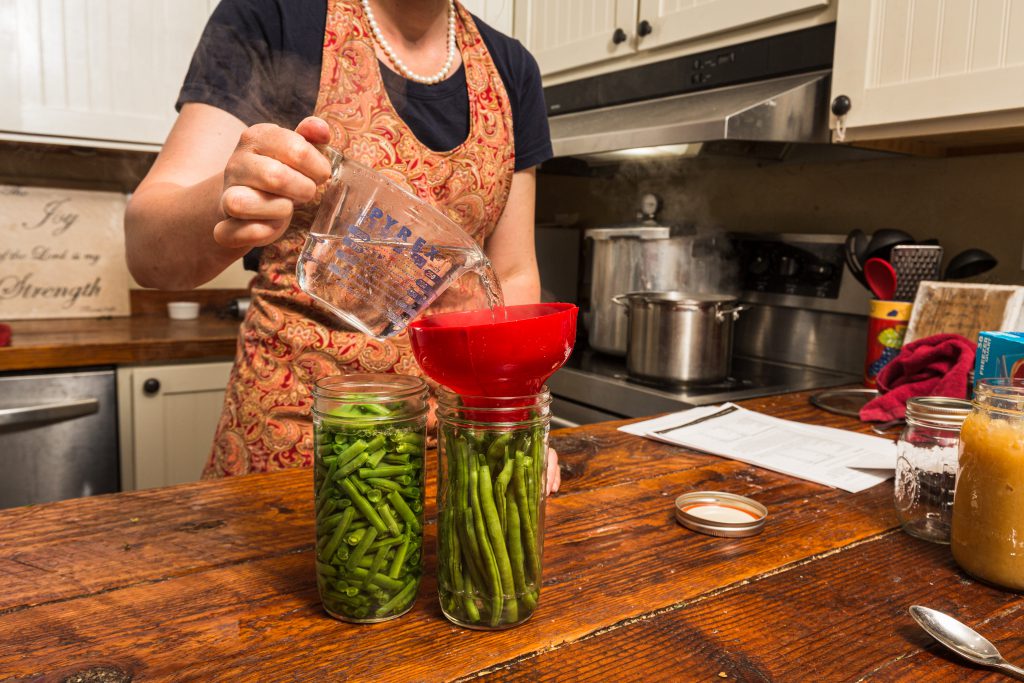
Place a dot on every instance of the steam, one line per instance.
(706, 262)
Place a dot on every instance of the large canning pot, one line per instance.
(628, 259)
(678, 338)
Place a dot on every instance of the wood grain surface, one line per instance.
(147, 336)
(214, 581)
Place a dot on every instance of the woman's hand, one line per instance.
(270, 171)
(554, 478)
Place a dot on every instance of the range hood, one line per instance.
(788, 109)
(772, 90)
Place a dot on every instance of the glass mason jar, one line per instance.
(370, 431)
(490, 507)
(988, 515)
(926, 466)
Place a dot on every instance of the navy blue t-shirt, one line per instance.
(260, 60)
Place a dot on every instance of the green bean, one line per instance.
(378, 482)
(339, 533)
(410, 448)
(402, 508)
(389, 519)
(515, 551)
(381, 580)
(363, 505)
(375, 566)
(500, 484)
(350, 467)
(386, 471)
(376, 457)
(399, 559)
(486, 554)
(497, 538)
(360, 549)
(526, 517)
(404, 595)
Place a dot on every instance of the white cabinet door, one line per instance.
(95, 70)
(570, 33)
(677, 21)
(496, 13)
(913, 67)
(174, 412)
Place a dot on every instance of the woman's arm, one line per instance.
(216, 190)
(511, 246)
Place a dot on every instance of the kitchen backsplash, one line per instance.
(962, 201)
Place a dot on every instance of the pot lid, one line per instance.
(646, 231)
(678, 297)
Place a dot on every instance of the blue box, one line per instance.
(1000, 354)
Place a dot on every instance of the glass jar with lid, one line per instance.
(926, 466)
(988, 515)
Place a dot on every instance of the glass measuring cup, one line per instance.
(377, 256)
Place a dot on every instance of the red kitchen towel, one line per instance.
(5, 335)
(932, 366)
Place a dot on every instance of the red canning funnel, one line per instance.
(511, 352)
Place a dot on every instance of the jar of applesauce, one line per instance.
(988, 505)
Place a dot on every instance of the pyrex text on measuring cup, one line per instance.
(376, 255)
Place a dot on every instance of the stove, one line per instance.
(805, 329)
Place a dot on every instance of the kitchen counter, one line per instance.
(214, 581)
(37, 344)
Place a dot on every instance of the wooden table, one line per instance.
(214, 582)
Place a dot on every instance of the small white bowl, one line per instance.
(183, 310)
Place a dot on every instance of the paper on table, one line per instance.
(824, 455)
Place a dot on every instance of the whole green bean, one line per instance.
(526, 517)
(497, 538)
(357, 553)
(486, 553)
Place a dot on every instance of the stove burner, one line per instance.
(727, 384)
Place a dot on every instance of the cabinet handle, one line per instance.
(841, 105)
(644, 28)
(151, 386)
(619, 36)
(49, 412)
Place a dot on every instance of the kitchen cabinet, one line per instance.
(168, 414)
(927, 68)
(576, 33)
(496, 13)
(102, 73)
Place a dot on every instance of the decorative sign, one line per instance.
(62, 254)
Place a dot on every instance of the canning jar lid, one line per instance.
(939, 411)
(718, 513)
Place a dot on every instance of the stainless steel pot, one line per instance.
(628, 259)
(675, 338)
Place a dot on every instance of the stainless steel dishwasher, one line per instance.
(58, 436)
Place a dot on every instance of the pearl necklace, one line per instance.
(390, 52)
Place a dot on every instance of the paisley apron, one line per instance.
(286, 343)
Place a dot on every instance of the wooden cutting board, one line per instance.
(965, 309)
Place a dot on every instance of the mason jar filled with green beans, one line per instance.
(370, 434)
(490, 507)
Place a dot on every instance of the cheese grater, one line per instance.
(914, 263)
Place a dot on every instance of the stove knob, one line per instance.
(788, 266)
(820, 272)
(759, 265)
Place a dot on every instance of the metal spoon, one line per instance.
(962, 639)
